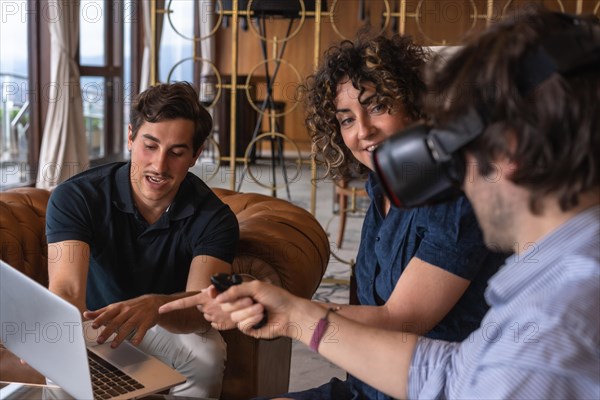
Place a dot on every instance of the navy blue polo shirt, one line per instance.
(445, 235)
(128, 256)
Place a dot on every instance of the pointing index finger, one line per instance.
(180, 304)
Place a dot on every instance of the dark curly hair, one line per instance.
(393, 65)
(556, 124)
(167, 101)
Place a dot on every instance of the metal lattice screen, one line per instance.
(247, 59)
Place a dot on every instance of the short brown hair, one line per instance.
(167, 101)
(556, 123)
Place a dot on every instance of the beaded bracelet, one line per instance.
(322, 325)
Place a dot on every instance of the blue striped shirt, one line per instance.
(541, 337)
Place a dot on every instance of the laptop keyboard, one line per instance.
(108, 381)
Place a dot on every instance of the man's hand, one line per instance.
(130, 318)
(205, 303)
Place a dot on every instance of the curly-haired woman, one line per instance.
(421, 270)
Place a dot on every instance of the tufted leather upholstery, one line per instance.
(279, 242)
(22, 231)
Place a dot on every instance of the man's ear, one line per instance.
(509, 166)
(200, 150)
(509, 163)
(129, 137)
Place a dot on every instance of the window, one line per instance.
(14, 85)
(176, 44)
(108, 48)
(100, 65)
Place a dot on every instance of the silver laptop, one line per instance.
(48, 333)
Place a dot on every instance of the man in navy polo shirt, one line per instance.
(125, 238)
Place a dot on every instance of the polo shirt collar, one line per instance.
(122, 197)
(183, 206)
(185, 202)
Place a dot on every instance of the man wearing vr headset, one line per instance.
(518, 124)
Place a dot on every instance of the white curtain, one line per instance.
(63, 151)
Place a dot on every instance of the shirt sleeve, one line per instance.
(221, 237)
(430, 369)
(451, 238)
(510, 382)
(435, 374)
(67, 215)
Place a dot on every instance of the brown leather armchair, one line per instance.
(279, 242)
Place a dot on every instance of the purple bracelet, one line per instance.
(320, 329)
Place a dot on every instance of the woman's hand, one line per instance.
(246, 304)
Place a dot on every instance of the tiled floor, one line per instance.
(307, 369)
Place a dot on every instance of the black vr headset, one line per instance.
(423, 164)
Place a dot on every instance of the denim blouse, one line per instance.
(446, 235)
